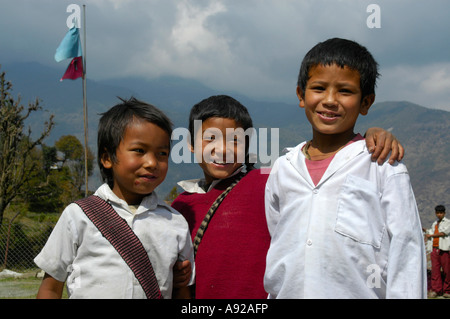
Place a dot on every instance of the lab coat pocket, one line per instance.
(359, 214)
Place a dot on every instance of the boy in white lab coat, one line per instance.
(341, 225)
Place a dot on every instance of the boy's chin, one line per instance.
(222, 171)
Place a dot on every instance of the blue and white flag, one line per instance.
(70, 46)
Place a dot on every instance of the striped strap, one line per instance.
(116, 230)
(204, 225)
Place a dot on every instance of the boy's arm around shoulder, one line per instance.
(381, 142)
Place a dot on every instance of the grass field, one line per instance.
(25, 287)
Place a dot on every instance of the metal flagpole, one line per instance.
(85, 113)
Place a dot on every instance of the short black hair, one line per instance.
(440, 208)
(222, 106)
(113, 123)
(341, 52)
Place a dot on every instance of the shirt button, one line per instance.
(315, 191)
(309, 242)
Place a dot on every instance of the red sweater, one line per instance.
(231, 257)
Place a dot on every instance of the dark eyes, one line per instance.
(318, 88)
(322, 88)
(211, 138)
(142, 151)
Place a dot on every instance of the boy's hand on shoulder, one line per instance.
(381, 142)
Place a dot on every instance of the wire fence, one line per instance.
(20, 243)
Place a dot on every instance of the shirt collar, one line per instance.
(149, 202)
(198, 185)
(297, 159)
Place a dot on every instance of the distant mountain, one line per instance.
(424, 132)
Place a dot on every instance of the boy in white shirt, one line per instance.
(438, 242)
(133, 152)
(341, 225)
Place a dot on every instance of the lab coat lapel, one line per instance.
(342, 158)
(297, 160)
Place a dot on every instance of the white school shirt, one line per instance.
(76, 251)
(357, 234)
(444, 242)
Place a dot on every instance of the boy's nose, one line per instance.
(221, 149)
(150, 161)
(330, 98)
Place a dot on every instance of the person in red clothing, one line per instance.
(231, 246)
(231, 254)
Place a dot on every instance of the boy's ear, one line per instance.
(300, 96)
(106, 160)
(366, 104)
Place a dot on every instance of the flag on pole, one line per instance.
(74, 70)
(70, 46)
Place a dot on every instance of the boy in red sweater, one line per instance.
(231, 244)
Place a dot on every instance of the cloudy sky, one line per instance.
(253, 47)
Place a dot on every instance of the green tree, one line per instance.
(61, 176)
(49, 154)
(73, 160)
(17, 148)
(172, 195)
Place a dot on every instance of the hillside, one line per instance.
(424, 132)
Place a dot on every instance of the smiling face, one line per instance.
(142, 161)
(222, 151)
(332, 99)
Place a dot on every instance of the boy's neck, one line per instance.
(323, 146)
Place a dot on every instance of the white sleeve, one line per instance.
(271, 200)
(445, 229)
(60, 249)
(406, 272)
(187, 253)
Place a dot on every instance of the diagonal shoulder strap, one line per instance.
(204, 225)
(116, 230)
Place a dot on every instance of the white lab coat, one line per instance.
(357, 234)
